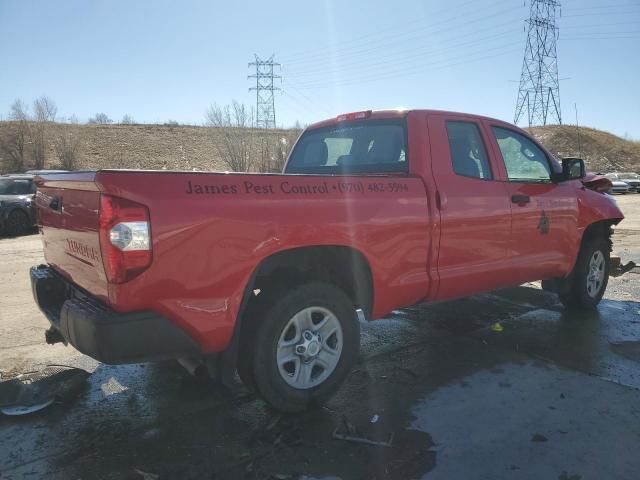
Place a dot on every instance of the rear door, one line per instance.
(475, 213)
(544, 215)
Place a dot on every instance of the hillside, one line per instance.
(192, 147)
(136, 146)
(601, 151)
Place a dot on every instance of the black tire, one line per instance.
(269, 381)
(17, 223)
(582, 294)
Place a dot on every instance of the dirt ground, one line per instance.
(552, 396)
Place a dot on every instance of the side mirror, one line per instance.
(572, 168)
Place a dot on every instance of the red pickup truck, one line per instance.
(271, 275)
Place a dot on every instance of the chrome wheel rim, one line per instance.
(595, 274)
(309, 348)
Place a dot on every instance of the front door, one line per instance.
(474, 208)
(544, 215)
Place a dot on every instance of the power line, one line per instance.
(301, 98)
(374, 46)
(265, 101)
(465, 59)
(601, 14)
(400, 59)
(600, 38)
(379, 40)
(539, 91)
(379, 33)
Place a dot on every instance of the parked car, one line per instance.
(17, 194)
(44, 172)
(269, 274)
(631, 179)
(618, 186)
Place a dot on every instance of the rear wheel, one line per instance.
(590, 276)
(17, 223)
(305, 346)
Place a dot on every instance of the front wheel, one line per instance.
(305, 346)
(590, 276)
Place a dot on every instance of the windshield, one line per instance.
(374, 146)
(15, 186)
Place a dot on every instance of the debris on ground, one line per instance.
(147, 475)
(351, 434)
(538, 437)
(497, 327)
(33, 391)
(352, 438)
(617, 269)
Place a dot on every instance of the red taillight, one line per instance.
(346, 117)
(125, 238)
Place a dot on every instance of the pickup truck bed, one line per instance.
(210, 232)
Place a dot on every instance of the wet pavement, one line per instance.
(551, 396)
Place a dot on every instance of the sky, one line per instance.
(169, 60)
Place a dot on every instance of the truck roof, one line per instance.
(399, 113)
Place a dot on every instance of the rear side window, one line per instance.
(374, 146)
(468, 154)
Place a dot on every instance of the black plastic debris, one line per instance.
(617, 269)
(33, 391)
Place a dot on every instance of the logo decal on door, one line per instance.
(543, 224)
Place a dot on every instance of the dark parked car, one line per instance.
(17, 212)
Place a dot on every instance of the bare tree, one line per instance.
(45, 109)
(13, 145)
(235, 123)
(100, 119)
(127, 120)
(44, 112)
(66, 147)
(275, 148)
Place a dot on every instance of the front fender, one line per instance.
(595, 207)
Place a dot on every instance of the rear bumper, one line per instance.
(102, 333)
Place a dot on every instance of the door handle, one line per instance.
(520, 199)
(441, 200)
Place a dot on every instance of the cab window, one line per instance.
(523, 159)
(468, 154)
(372, 146)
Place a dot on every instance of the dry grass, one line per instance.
(191, 147)
(602, 151)
(137, 146)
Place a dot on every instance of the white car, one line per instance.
(618, 186)
(631, 179)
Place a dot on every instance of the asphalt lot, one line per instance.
(552, 396)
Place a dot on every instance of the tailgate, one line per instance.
(67, 211)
